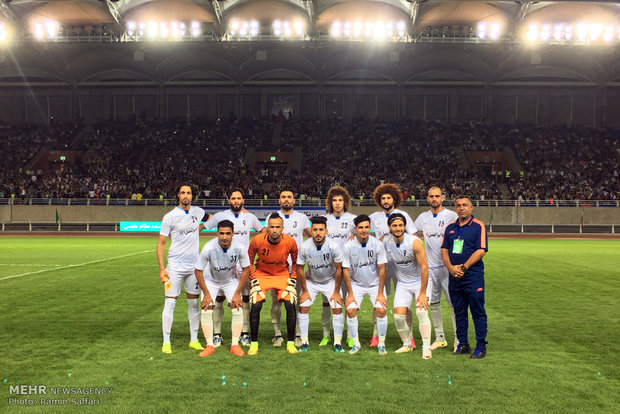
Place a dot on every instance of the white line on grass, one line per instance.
(75, 265)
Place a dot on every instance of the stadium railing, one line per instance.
(64, 227)
(208, 202)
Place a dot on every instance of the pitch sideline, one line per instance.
(75, 265)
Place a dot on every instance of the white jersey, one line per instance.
(363, 260)
(183, 228)
(243, 222)
(339, 229)
(402, 258)
(320, 260)
(378, 222)
(220, 265)
(294, 225)
(433, 227)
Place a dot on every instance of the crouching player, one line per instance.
(363, 271)
(269, 270)
(216, 273)
(406, 255)
(324, 275)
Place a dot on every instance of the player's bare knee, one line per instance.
(401, 310)
(192, 296)
(337, 311)
(351, 313)
(304, 309)
(171, 297)
(380, 312)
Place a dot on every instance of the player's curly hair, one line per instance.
(390, 189)
(176, 191)
(337, 191)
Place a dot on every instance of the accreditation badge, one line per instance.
(457, 247)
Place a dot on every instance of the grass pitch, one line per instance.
(86, 312)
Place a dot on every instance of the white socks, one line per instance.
(352, 327)
(218, 313)
(402, 328)
(326, 314)
(246, 317)
(382, 324)
(425, 327)
(167, 317)
(193, 314)
(206, 318)
(437, 319)
(338, 328)
(236, 325)
(303, 321)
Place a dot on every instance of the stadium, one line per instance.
(107, 106)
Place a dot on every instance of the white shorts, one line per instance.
(226, 288)
(438, 278)
(327, 289)
(406, 293)
(360, 291)
(182, 278)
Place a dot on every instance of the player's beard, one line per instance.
(236, 209)
(286, 209)
(389, 207)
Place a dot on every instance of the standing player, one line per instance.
(463, 247)
(324, 276)
(296, 224)
(432, 224)
(363, 272)
(243, 222)
(221, 257)
(339, 229)
(182, 226)
(388, 197)
(406, 255)
(271, 271)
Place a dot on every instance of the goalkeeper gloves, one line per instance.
(255, 291)
(291, 290)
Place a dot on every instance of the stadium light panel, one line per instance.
(482, 30)
(558, 32)
(299, 28)
(253, 28)
(141, 28)
(582, 32)
(532, 33)
(175, 32)
(131, 28)
(495, 31)
(51, 29)
(545, 33)
(163, 29)
(608, 34)
(4, 34)
(596, 29)
(151, 29)
(195, 29)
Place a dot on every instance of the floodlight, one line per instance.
(582, 32)
(495, 31)
(131, 28)
(357, 28)
(482, 30)
(532, 32)
(141, 28)
(299, 27)
(545, 32)
(608, 34)
(558, 32)
(253, 28)
(175, 32)
(568, 32)
(151, 29)
(3, 32)
(401, 27)
(195, 28)
(38, 31)
(163, 29)
(51, 28)
(347, 28)
(596, 30)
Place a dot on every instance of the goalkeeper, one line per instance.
(269, 270)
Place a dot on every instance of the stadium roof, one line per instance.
(419, 12)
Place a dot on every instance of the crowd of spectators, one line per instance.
(149, 159)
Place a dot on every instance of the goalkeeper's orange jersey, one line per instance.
(269, 259)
